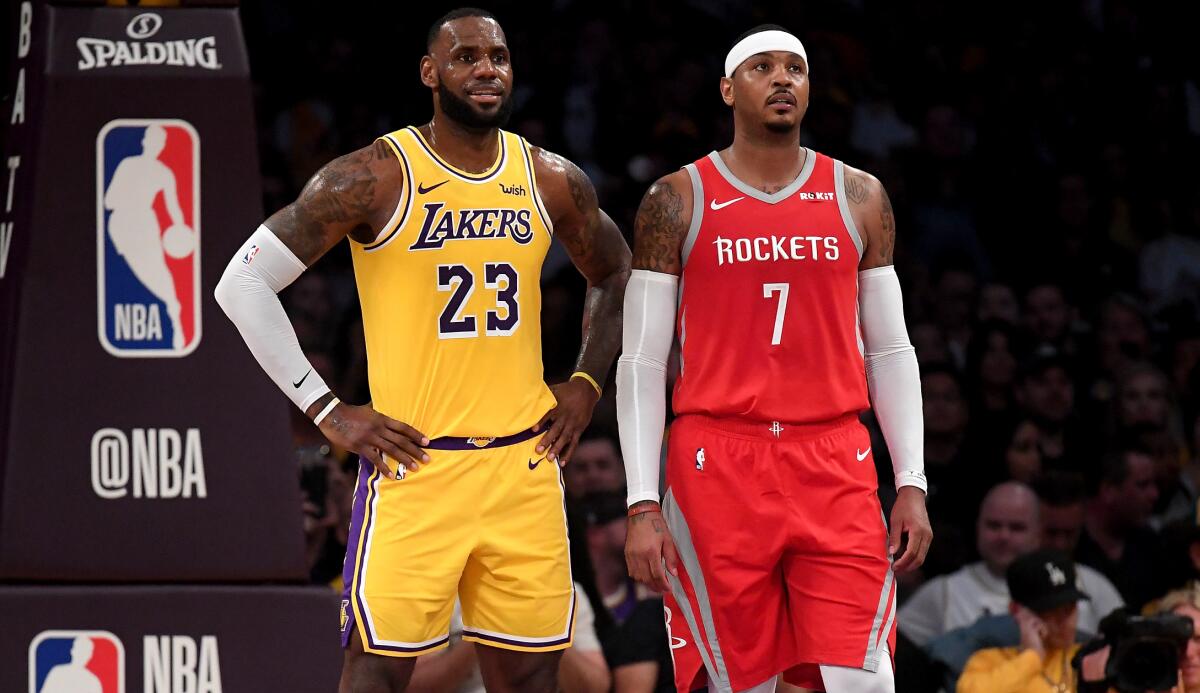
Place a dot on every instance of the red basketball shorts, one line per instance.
(783, 553)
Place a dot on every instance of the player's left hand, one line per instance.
(576, 400)
(909, 518)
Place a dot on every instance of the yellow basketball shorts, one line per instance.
(483, 520)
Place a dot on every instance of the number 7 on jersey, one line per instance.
(782, 290)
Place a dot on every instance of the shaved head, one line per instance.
(1012, 494)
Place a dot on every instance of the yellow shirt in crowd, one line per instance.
(1012, 670)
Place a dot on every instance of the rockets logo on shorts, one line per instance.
(75, 661)
(148, 237)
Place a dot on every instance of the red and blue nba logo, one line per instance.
(148, 237)
(76, 661)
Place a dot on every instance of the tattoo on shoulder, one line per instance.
(659, 229)
(582, 190)
(887, 222)
(856, 187)
(342, 192)
(580, 240)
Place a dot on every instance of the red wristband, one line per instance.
(644, 509)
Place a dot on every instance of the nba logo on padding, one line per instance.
(76, 661)
(148, 237)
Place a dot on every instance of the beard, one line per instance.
(781, 128)
(462, 112)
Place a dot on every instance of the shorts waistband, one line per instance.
(775, 431)
(479, 442)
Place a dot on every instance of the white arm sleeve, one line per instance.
(649, 330)
(893, 378)
(260, 269)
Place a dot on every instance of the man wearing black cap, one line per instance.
(1045, 605)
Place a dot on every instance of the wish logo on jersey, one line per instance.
(148, 237)
(76, 661)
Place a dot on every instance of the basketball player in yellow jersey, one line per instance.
(448, 223)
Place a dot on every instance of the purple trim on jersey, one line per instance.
(473, 443)
(422, 648)
(357, 512)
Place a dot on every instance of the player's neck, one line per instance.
(466, 148)
(765, 159)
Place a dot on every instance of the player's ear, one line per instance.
(429, 76)
(727, 90)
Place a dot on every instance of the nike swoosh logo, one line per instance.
(300, 382)
(862, 454)
(533, 465)
(422, 189)
(714, 206)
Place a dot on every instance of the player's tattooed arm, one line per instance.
(662, 224)
(872, 211)
(353, 195)
(597, 248)
(599, 251)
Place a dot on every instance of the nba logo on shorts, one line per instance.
(74, 661)
(148, 237)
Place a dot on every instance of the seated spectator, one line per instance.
(1062, 511)
(991, 371)
(595, 466)
(1022, 454)
(951, 651)
(955, 487)
(1008, 527)
(455, 669)
(1144, 415)
(1186, 602)
(1181, 504)
(1117, 538)
(998, 301)
(1048, 315)
(1046, 395)
(1045, 604)
(636, 647)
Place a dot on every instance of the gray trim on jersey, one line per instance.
(862, 348)
(677, 525)
(688, 615)
(682, 334)
(810, 162)
(877, 641)
(839, 186)
(697, 213)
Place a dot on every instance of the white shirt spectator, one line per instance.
(959, 599)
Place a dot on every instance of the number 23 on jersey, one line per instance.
(459, 282)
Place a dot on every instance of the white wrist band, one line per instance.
(325, 412)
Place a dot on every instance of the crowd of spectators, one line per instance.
(1038, 156)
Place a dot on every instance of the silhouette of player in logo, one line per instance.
(133, 226)
(74, 676)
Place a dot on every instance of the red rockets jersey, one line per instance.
(768, 298)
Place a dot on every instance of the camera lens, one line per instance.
(1147, 665)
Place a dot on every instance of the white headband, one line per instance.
(762, 42)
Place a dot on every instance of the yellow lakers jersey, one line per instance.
(450, 295)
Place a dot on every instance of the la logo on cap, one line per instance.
(1057, 576)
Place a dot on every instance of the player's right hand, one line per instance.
(376, 437)
(648, 546)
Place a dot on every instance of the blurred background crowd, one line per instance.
(1039, 159)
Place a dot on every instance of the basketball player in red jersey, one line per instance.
(773, 264)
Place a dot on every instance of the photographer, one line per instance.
(1186, 603)
(1044, 604)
